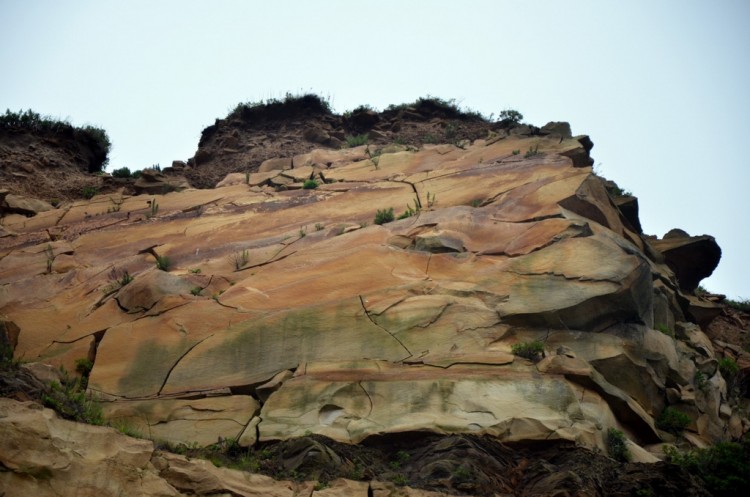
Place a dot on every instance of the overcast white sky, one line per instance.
(662, 87)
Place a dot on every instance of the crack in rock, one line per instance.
(367, 313)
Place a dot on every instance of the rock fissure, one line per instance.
(184, 354)
(367, 313)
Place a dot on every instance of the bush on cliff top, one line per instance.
(95, 139)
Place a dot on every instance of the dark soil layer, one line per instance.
(458, 464)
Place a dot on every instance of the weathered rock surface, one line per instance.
(42, 455)
(351, 330)
(282, 312)
(692, 258)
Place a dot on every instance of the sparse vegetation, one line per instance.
(673, 420)
(701, 383)
(616, 446)
(438, 107)
(728, 368)
(68, 397)
(663, 328)
(724, 467)
(153, 208)
(516, 152)
(196, 291)
(274, 108)
(399, 479)
(50, 253)
(239, 259)
(476, 202)
(163, 262)
(384, 216)
(310, 184)
(116, 205)
(319, 226)
(740, 305)
(119, 278)
(431, 200)
(616, 191)
(356, 140)
(529, 350)
(88, 192)
(409, 212)
(532, 151)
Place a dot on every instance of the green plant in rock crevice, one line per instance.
(50, 253)
(673, 420)
(163, 262)
(239, 259)
(532, 151)
(153, 208)
(529, 350)
(384, 216)
(616, 446)
(68, 397)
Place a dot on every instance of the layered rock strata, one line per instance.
(280, 311)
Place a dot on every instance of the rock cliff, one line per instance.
(488, 287)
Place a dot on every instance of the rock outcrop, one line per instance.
(376, 291)
(404, 326)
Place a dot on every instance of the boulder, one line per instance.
(16, 204)
(692, 258)
(152, 182)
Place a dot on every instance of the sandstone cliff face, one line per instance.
(282, 312)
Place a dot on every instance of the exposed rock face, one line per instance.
(43, 455)
(405, 326)
(282, 311)
(692, 258)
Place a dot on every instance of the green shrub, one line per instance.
(163, 262)
(310, 184)
(740, 305)
(616, 191)
(673, 420)
(409, 212)
(355, 141)
(88, 192)
(728, 368)
(665, 329)
(532, 151)
(510, 115)
(68, 398)
(384, 216)
(724, 467)
(701, 383)
(123, 172)
(616, 446)
(529, 350)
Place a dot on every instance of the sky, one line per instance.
(661, 87)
